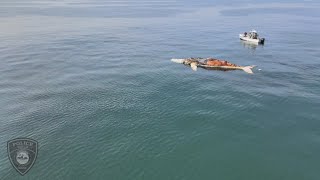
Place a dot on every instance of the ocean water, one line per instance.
(93, 83)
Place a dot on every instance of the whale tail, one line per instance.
(248, 69)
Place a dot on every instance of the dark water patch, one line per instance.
(94, 12)
(301, 11)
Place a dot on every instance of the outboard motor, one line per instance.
(262, 40)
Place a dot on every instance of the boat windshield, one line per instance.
(253, 35)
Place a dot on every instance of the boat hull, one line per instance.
(255, 41)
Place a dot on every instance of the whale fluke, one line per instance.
(248, 69)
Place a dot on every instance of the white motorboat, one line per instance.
(252, 36)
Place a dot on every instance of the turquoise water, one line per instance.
(93, 83)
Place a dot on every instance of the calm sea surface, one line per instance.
(93, 83)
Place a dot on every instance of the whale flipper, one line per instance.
(194, 66)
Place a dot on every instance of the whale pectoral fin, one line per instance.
(248, 69)
(194, 66)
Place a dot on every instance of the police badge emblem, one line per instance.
(22, 154)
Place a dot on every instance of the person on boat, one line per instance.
(245, 34)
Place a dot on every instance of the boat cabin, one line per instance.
(253, 34)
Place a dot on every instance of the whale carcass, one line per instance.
(212, 63)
